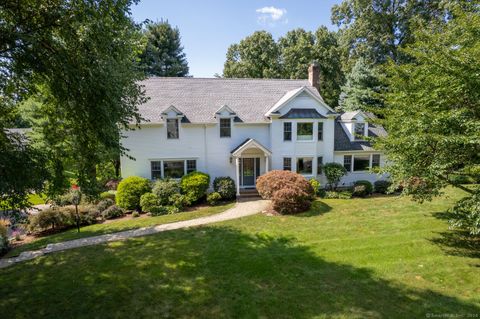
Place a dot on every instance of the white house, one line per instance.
(243, 128)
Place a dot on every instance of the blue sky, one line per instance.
(209, 27)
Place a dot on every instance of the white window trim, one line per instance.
(304, 157)
(220, 126)
(313, 131)
(179, 127)
(162, 160)
(370, 162)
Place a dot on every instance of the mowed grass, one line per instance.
(384, 257)
(116, 226)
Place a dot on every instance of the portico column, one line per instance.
(266, 164)
(237, 174)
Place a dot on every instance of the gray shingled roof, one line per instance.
(343, 143)
(200, 98)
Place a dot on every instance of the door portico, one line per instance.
(248, 163)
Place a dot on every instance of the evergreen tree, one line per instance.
(163, 54)
(362, 89)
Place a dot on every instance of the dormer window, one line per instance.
(359, 131)
(172, 129)
(225, 127)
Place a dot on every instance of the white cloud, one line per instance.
(271, 15)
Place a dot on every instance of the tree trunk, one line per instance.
(78, 218)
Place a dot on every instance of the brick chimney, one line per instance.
(314, 75)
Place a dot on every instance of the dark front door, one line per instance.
(248, 172)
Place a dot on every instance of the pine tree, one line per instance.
(163, 54)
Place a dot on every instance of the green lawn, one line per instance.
(116, 226)
(36, 199)
(383, 257)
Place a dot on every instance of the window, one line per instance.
(319, 165)
(191, 166)
(304, 166)
(361, 163)
(287, 131)
(376, 160)
(304, 131)
(156, 167)
(287, 164)
(172, 128)
(173, 169)
(347, 162)
(359, 131)
(225, 128)
(320, 131)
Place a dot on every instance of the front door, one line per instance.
(248, 172)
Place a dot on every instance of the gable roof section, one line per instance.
(302, 114)
(343, 143)
(199, 99)
(249, 143)
(294, 93)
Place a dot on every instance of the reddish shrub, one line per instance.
(290, 192)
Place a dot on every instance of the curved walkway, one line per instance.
(241, 209)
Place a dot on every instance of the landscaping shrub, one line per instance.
(466, 214)
(214, 198)
(338, 195)
(225, 186)
(382, 187)
(360, 191)
(315, 185)
(195, 185)
(135, 214)
(179, 201)
(130, 190)
(104, 204)
(109, 195)
(368, 186)
(49, 218)
(113, 212)
(159, 210)
(87, 214)
(334, 172)
(172, 210)
(165, 189)
(112, 184)
(149, 200)
(290, 192)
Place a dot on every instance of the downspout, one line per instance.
(205, 148)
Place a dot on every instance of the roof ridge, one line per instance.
(204, 78)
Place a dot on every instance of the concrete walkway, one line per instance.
(241, 209)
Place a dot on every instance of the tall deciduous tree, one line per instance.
(80, 56)
(297, 51)
(362, 89)
(256, 56)
(432, 112)
(163, 54)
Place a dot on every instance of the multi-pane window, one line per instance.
(319, 165)
(287, 164)
(304, 166)
(347, 162)
(173, 169)
(375, 160)
(304, 131)
(361, 163)
(156, 168)
(225, 128)
(287, 131)
(359, 131)
(191, 166)
(320, 131)
(172, 128)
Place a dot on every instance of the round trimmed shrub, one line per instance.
(290, 192)
(367, 184)
(130, 190)
(159, 210)
(225, 186)
(104, 204)
(148, 201)
(195, 185)
(214, 198)
(382, 186)
(334, 172)
(179, 201)
(165, 189)
(135, 214)
(113, 212)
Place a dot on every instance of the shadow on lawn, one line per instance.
(213, 272)
(456, 242)
(318, 208)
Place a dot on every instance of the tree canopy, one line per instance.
(163, 54)
(78, 58)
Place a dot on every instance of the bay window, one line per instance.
(304, 131)
(320, 131)
(361, 163)
(304, 165)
